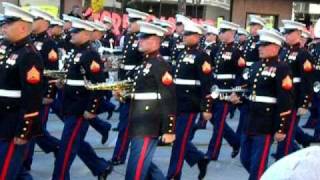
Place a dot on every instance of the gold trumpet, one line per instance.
(111, 86)
(55, 74)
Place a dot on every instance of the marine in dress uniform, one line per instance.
(80, 105)
(301, 64)
(315, 52)
(192, 76)
(270, 101)
(153, 106)
(109, 38)
(166, 44)
(250, 53)
(211, 41)
(21, 88)
(177, 39)
(49, 52)
(228, 65)
(131, 59)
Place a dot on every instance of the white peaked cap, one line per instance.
(211, 29)
(317, 29)
(133, 13)
(162, 23)
(11, 10)
(289, 24)
(35, 11)
(149, 28)
(228, 25)
(190, 26)
(82, 24)
(271, 36)
(181, 18)
(257, 20)
(57, 21)
(66, 17)
(107, 19)
(99, 26)
(243, 31)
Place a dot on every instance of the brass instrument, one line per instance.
(111, 86)
(316, 87)
(223, 94)
(55, 74)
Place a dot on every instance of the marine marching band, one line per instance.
(170, 80)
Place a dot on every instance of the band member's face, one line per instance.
(293, 37)
(149, 44)
(40, 24)
(211, 38)
(191, 40)
(80, 37)
(268, 51)
(13, 31)
(179, 29)
(227, 36)
(254, 29)
(242, 38)
(67, 26)
(133, 27)
(97, 35)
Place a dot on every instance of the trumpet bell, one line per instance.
(316, 86)
(215, 92)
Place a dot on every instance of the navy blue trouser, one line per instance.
(140, 165)
(182, 148)
(314, 112)
(294, 133)
(122, 144)
(72, 143)
(11, 159)
(46, 142)
(243, 108)
(317, 128)
(254, 154)
(221, 130)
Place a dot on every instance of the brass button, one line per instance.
(268, 109)
(24, 129)
(27, 122)
(22, 136)
(170, 131)
(170, 124)
(172, 118)
(147, 108)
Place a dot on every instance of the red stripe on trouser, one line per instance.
(69, 147)
(288, 141)
(220, 132)
(45, 114)
(184, 143)
(123, 143)
(7, 161)
(142, 156)
(264, 156)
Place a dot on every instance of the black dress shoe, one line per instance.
(106, 172)
(115, 129)
(105, 136)
(203, 165)
(235, 152)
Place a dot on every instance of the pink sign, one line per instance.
(119, 20)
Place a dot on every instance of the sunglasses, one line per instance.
(289, 31)
(10, 19)
(144, 35)
(75, 30)
(221, 31)
(188, 33)
(264, 43)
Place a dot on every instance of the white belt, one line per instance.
(146, 96)
(263, 99)
(296, 80)
(224, 76)
(71, 82)
(166, 57)
(10, 93)
(187, 82)
(249, 63)
(127, 67)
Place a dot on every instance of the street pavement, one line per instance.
(223, 169)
